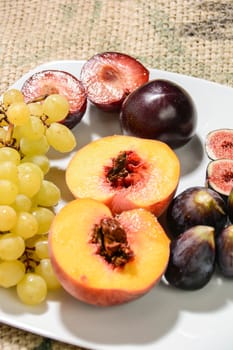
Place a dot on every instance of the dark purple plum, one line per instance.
(192, 258)
(162, 110)
(41, 84)
(224, 247)
(196, 206)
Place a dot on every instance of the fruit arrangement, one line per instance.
(107, 246)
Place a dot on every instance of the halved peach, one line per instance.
(103, 259)
(125, 172)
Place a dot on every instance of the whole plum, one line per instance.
(159, 109)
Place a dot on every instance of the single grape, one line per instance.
(34, 129)
(18, 113)
(11, 246)
(9, 154)
(7, 218)
(8, 171)
(31, 147)
(60, 137)
(55, 107)
(44, 217)
(8, 192)
(26, 225)
(22, 203)
(29, 178)
(11, 273)
(39, 159)
(3, 133)
(41, 248)
(48, 195)
(36, 109)
(32, 289)
(11, 96)
(45, 270)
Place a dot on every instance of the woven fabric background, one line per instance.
(193, 37)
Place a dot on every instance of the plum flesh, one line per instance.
(52, 81)
(159, 109)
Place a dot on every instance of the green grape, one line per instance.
(32, 289)
(3, 134)
(9, 154)
(18, 113)
(11, 273)
(22, 203)
(31, 147)
(11, 246)
(11, 96)
(29, 179)
(36, 109)
(41, 248)
(60, 138)
(34, 129)
(48, 195)
(26, 225)
(44, 217)
(39, 159)
(8, 192)
(55, 107)
(45, 270)
(8, 171)
(7, 218)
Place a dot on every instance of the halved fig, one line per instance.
(219, 176)
(219, 144)
(109, 77)
(47, 82)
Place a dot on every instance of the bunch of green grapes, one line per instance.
(26, 198)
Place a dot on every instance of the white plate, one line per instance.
(164, 318)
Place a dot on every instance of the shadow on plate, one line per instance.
(145, 320)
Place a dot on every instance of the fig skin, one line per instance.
(224, 248)
(196, 206)
(219, 144)
(230, 206)
(192, 258)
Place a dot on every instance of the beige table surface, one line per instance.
(193, 37)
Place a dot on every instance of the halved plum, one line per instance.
(47, 82)
(109, 77)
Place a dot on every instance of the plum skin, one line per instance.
(159, 109)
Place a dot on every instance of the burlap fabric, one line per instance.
(193, 37)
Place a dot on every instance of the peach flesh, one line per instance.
(85, 274)
(159, 174)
